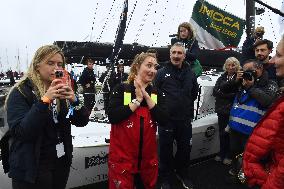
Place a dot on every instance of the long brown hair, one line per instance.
(138, 60)
(190, 29)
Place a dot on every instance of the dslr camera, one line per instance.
(249, 75)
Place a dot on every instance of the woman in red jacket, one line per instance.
(134, 109)
(263, 160)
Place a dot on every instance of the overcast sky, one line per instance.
(28, 24)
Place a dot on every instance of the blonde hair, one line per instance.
(43, 54)
(138, 60)
(233, 60)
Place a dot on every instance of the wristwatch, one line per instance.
(136, 102)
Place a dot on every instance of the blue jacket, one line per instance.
(245, 113)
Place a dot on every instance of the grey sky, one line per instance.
(29, 24)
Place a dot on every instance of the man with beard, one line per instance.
(262, 49)
(179, 84)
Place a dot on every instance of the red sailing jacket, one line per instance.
(133, 141)
(263, 160)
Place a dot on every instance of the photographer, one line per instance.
(39, 116)
(256, 94)
(267, 141)
(248, 48)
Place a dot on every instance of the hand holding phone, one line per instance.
(63, 75)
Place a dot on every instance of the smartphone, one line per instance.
(63, 75)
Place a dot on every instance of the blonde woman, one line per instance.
(223, 104)
(37, 113)
(135, 107)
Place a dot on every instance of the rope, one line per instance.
(130, 16)
(159, 29)
(271, 24)
(179, 13)
(114, 16)
(91, 35)
(106, 22)
(143, 21)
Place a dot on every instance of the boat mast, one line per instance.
(119, 33)
(250, 14)
(250, 17)
(18, 62)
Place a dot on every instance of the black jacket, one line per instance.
(88, 77)
(224, 100)
(113, 80)
(248, 50)
(117, 78)
(271, 70)
(118, 112)
(32, 128)
(181, 89)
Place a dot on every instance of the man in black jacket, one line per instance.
(248, 48)
(88, 81)
(262, 49)
(179, 84)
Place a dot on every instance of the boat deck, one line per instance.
(207, 174)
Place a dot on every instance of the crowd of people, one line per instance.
(249, 106)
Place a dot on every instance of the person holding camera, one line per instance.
(248, 51)
(256, 94)
(88, 82)
(39, 115)
(263, 159)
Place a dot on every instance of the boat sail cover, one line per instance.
(216, 28)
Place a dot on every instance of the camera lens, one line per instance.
(249, 75)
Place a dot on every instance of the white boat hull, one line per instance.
(90, 151)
